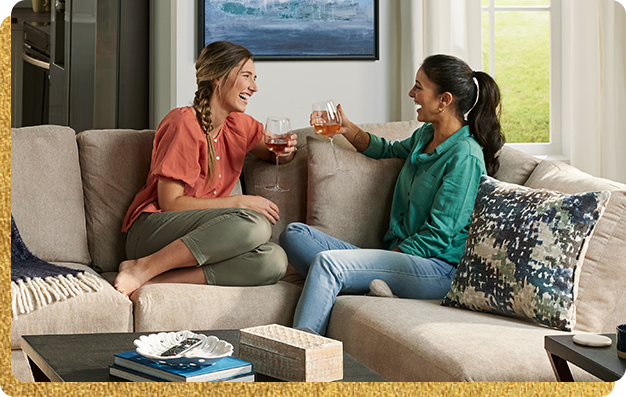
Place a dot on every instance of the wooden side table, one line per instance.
(601, 362)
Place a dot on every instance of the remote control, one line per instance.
(182, 347)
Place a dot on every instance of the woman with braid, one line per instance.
(432, 202)
(183, 226)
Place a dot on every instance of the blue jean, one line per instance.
(332, 266)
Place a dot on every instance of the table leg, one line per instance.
(560, 367)
(38, 374)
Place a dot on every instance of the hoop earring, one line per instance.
(441, 109)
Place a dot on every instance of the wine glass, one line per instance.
(276, 131)
(327, 122)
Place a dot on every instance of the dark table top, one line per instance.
(86, 357)
(602, 362)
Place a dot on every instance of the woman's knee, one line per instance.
(272, 264)
(257, 229)
(292, 232)
(326, 264)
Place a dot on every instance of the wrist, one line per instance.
(240, 201)
(353, 129)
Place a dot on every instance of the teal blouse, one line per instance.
(434, 193)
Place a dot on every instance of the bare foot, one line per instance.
(129, 278)
(135, 273)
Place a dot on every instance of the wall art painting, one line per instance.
(293, 29)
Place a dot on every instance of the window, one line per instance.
(521, 50)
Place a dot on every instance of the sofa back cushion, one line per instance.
(603, 274)
(395, 130)
(353, 205)
(115, 164)
(258, 173)
(515, 166)
(47, 194)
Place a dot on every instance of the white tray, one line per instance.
(208, 352)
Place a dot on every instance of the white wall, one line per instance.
(369, 91)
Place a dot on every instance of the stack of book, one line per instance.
(133, 366)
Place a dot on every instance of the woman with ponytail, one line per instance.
(432, 202)
(183, 226)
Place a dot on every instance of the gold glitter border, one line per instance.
(13, 387)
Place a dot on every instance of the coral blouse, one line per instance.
(180, 154)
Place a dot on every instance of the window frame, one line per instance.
(554, 149)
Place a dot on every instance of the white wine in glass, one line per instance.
(327, 122)
(277, 129)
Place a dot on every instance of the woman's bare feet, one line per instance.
(130, 277)
(135, 273)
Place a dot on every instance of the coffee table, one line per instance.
(86, 357)
(598, 361)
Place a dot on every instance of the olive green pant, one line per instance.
(232, 244)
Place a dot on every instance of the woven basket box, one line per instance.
(291, 355)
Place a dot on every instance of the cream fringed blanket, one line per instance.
(36, 283)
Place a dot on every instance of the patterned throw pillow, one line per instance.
(522, 252)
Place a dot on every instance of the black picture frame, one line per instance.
(293, 29)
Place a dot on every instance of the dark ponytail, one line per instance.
(452, 75)
(484, 121)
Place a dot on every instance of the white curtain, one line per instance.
(430, 27)
(593, 96)
(594, 87)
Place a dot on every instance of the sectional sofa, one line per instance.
(70, 193)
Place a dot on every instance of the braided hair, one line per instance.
(477, 99)
(216, 61)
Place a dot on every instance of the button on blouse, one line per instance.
(180, 153)
(441, 185)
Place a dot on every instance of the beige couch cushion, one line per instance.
(168, 307)
(603, 273)
(407, 340)
(292, 204)
(395, 130)
(353, 205)
(114, 164)
(46, 193)
(515, 166)
(104, 311)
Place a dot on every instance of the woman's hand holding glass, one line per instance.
(326, 120)
(281, 141)
(282, 150)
